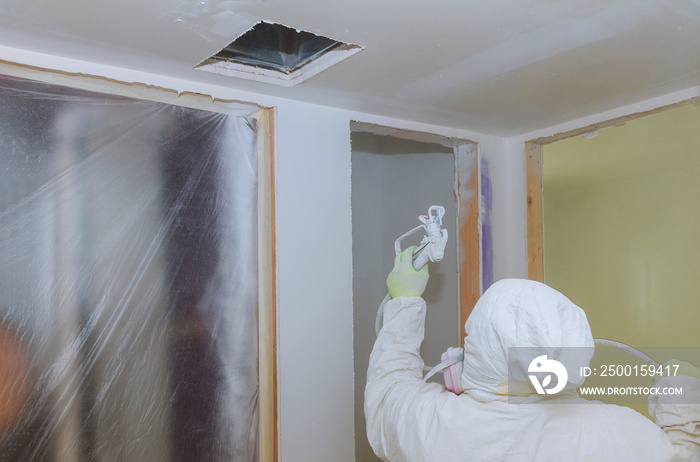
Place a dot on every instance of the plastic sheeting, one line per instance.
(128, 287)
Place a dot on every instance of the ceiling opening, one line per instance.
(278, 54)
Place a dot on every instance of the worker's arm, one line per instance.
(400, 329)
(398, 404)
(394, 376)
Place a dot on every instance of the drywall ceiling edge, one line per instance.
(602, 117)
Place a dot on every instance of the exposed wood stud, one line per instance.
(535, 225)
(469, 262)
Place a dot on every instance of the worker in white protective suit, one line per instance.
(410, 420)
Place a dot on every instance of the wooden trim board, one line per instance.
(469, 230)
(535, 225)
(267, 291)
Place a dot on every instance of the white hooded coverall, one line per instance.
(409, 420)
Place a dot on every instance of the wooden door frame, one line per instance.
(469, 237)
(268, 396)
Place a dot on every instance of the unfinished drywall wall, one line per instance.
(621, 218)
(394, 181)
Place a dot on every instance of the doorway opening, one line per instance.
(396, 176)
(615, 226)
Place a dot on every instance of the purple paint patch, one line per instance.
(486, 238)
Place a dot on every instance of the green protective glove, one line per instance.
(404, 281)
(684, 368)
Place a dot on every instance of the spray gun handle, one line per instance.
(432, 248)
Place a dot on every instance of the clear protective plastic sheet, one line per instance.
(128, 279)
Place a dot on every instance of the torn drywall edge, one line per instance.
(260, 74)
(444, 135)
(125, 82)
(241, 31)
(136, 90)
(407, 134)
(609, 118)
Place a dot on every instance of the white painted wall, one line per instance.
(315, 284)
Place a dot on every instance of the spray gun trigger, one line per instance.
(422, 246)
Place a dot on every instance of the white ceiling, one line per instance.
(503, 67)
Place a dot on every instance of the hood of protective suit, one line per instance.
(514, 321)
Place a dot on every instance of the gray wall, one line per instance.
(394, 181)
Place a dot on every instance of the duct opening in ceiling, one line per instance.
(278, 54)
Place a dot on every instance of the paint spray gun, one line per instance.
(432, 246)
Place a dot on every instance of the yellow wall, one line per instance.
(622, 228)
